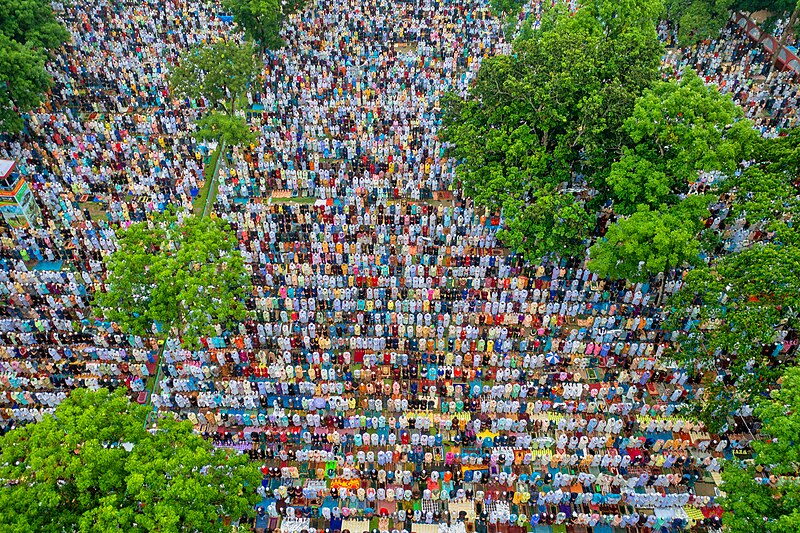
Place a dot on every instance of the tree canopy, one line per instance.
(262, 20)
(552, 223)
(696, 20)
(219, 73)
(509, 7)
(234, 130)
(776, 6)
(649, 242)
(32, 23)
(555, 107)
(737, 303)
(93, 468)
(28, 31)
(764, 496)
(678, 129)
(736, 306)
(186, 273)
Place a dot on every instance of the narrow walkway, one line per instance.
(212, 191)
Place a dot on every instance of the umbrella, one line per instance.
(552, 358)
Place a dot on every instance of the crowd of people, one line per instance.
(783, 32)
(742, 68)
(398, 366)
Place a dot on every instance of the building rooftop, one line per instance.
(6, 167)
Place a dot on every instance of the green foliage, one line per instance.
(23, 79)
(650, 242)
(739, 301)
(638, 181)
(28, 30)
(554, 222)
(262, 20)
(765, 496)
(216, 126)
(32, 23)
(775, 6)
(762, 195)
(71, 472)
(200, 201)
(747, 502)
(188, 274)
(781, 417)
(698, 19)
(737, 305)
(219, 72)
(556, 105)
(677, 129)
(507, 6)
(781, 154)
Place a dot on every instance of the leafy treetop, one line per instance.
(764, 497)
(651, 242)
(234, 130)
(678, 129)
(28, 31)
(185, 273)
(698, 19)
(554, 107)
(262, 20)
(219, 73)
(733, 307)
(93, 467)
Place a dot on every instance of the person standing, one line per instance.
(260, 521)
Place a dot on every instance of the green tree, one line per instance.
(23, 80)
(28, 31)
(234, 130)
(507, 10)
(32, 23)
(185, 274)
(92, 467)
(651, 242)
(735, 308)
(553, 108)
(767, 189)
(761, 195)
(553, 222)
(764, 496)
(678, 129)
(218, 73)
(262, 20)
(781, 154)
(775, 6)
(506, 6)
(698, 19)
